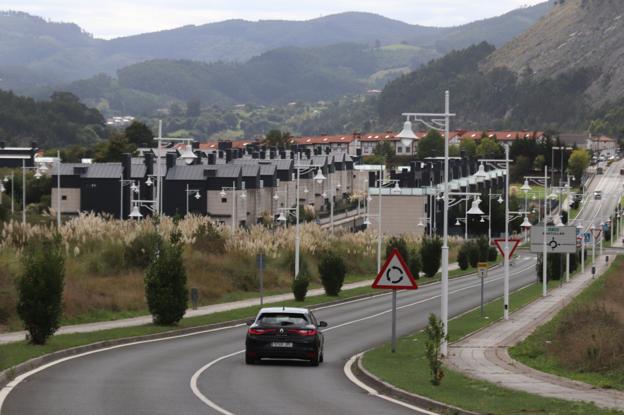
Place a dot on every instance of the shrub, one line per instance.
(431, 249)
(400, 244)
(40, 287)
(332, 271)
(208, 239)
(483, 244)
(474, 254)
(165, 283)
(109, 259)
(434, 333)
(492, 254)
(462, 257)
(414, 263)
(300, 287)
(142, 249)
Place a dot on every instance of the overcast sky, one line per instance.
(114, 18)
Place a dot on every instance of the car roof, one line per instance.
(294, 310)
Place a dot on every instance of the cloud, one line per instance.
(115, 18)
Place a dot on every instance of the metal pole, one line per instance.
(445, 248)
(297, 236)
(466, 221)
(23, 192)
(12, 193)
(379, 224)
(482, 290)
(187, 199)
(58, 188)
(583, 253)
(506, 281)
(490, 215)
(394, 308)
(545, 252)
(121, 184)
(331, 206)
(159, 178)
(233, 206)
(567, 267)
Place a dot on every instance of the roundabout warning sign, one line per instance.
(395, 275)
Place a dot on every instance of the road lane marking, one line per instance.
(373, 392)
(194, 379)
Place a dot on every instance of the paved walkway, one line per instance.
(484, 355)
(201, 311)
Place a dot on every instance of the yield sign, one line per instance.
(596, 232)
(395, 275)
(513, 244)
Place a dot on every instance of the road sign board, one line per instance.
(513, 244)
(588, 237)
(559, 239)
(395, 275)
(596, 232)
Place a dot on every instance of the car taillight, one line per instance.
(257, 331)
(303, 332)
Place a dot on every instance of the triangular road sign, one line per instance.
(596, 232)
(513, 244)
(395, 275)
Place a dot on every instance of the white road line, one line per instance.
(216, 407)
(373, 392)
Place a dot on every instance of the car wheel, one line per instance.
(316, 361)
(249, 360)
(322, 358)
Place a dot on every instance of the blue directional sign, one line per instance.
(588, 237)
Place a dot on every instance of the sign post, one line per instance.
(483, 270)
(260, 265)
(553, 240)
(395, 275)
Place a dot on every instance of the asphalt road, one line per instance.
(155, 378)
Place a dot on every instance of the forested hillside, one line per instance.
(62, 120)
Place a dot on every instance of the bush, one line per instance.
(400, 244)
(332, 271)
(142, 249)
(483, 244)
(40, 287)
(414, 263)
(434, 333)
(165, 283)
(208, 239)
(109, 259)
(462, 257)
(300, 287)
(431, 249)
(492, 254)
(474, 254)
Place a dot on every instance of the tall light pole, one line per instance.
(188, 192)
(545, 251)
(37, 176)
(6, 180)
(439, 122)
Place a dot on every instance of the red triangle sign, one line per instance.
(500, 244)
(395, 275)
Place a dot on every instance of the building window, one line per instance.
(63, 197)
(224, 200)
(399, 149)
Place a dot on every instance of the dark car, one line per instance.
(285, 333)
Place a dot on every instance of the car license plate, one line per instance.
(281, 344)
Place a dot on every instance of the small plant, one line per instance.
(165, 283)
(300, 287)
(142, 249)
(435, 336)
(474, 254)
(40, 287)
(431, 249)
(332, 271)
(484, 248)
(414, 263)
(462, 257)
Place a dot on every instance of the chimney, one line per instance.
(212, 158)
(220, 154)
(170, 160)
(255, 155)
(263, 154)
(272, 153)
(148, 159)
(33, 145)
(195, 145)
(228, 155)
(126, 165)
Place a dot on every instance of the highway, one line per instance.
(205, 373)
(156, 377)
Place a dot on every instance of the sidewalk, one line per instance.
(201, 311)
(484, 354)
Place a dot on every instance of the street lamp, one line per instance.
(243, 195)
(133, 189)
(188, 191)
(37, 176)
(441, 122)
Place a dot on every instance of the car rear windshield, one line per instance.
(283, 319)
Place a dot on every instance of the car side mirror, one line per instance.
(249, 322)
(322, 324)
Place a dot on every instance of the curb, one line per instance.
(384, 388)
(11, 373)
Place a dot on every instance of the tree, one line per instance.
(431, 252)
(113, 149)
(40, 287)
(431, 145)
(277, 138)
(165, 283)
(578, 163)
(538, 163)
(434, 334)
(139, 134)
(193, 108)
(400, 244)
(332, 270)
(468, 146)
(489, 147)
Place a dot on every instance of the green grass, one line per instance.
(532, 351)
(408, 370)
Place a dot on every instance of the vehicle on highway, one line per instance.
(285, 333)
(621, 172)
(599, 170)
(597, 195)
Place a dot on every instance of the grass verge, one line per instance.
(534, 351)
(408, 369)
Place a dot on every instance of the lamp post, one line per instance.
(545, 224)
(439, 122)
(6, 180)
(37, 176)
(133, 189)
(395, 190)
(188, 191)
(223, 193)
